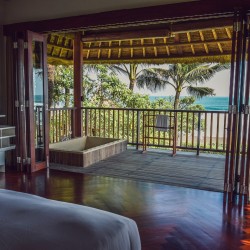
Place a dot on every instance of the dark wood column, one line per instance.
(77, 130)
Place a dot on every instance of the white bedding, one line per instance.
(31, 222)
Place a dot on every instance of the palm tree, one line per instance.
(180, 77)
(132, 71)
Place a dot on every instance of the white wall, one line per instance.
(34, 10)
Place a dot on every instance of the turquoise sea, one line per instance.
(209, 103)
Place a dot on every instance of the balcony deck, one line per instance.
(185, 169)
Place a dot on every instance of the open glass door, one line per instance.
(38, 138)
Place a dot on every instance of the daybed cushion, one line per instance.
(31, 222)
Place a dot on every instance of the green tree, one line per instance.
(61, 85)
(107, 90)
(129, 70)
(180, 77)
(132, 71)
(51, 80)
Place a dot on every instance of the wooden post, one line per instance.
(77, 84)
(199, 133)
(86, 122)
(138, 129)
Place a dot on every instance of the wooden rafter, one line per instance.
(175, 44)
(99, 50)
(155, 48)
(177, 40)
(216, 38)
(228, 33)
(189, 40)
(182, 45)
(120, 50)
(143, 48)
(163, 59)
(204, 43)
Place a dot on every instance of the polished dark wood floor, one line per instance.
(167, 217)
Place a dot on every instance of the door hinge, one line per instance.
(245, 109)
(237, 26)
(28, 161)
(47, 158)
(25, 45)
(18, 159)
(232, 109)
(15, 45)
(16, 103)
(243, 189)
(21, 107)
(226, 187)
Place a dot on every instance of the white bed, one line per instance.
(31, 222)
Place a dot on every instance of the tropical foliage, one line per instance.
(180, 77)
(60, 85)
(103, 88)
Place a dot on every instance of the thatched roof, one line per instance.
(209, 44)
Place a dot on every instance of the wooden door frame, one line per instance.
(33, 166)
(237, 158)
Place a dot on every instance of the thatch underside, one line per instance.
(172, 60)
(207, 45)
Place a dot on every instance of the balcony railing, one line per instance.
(61, 123)
(196, 130)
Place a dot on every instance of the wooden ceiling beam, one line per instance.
(126, 35)
(203, 24)
(180, 27)
(59, 46)
(161, 57)
(202, 8)
(177, 44)
(59, 61)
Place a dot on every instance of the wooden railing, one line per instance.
(61, 123)
(196, 130)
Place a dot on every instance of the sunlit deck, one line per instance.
(185, 169)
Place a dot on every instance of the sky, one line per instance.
(220, 83)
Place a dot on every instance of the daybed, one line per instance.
(31, 222)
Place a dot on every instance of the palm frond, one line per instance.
(91, 68)
(200, 73)
(119, 68)
(200, 92)
(151, 79)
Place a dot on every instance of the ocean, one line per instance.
(209, 103)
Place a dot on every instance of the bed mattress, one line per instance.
(31, 222)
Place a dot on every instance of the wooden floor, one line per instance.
(185, 169)
(168, 217)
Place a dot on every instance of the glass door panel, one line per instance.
(38, 92)
(38, 101)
